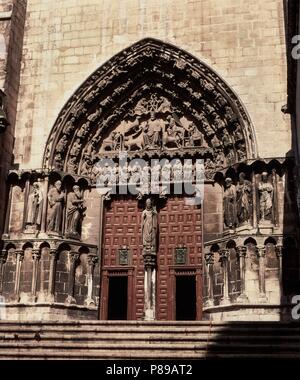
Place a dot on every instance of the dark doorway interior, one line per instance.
(185, 298)
(117, 298)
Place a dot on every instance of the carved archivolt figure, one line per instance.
(229, 203)
(266, 190)
(243, 195)
(75, 213)
(149, 227)
(34, 207)
(56, 201)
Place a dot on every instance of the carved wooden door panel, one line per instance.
(121, 233)
(180, 235)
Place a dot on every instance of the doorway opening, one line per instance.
(185, 298)
(117, 298)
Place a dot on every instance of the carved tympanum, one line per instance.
(151, 99)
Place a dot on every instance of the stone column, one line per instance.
(224, 261)
(36, 255)
(74, 256)
(279, 252)
(7, 215)
(92, 260)
(44, 209)
(150, 286)
(242, 254)
(19, 259)
(26, 194)
(261, 253)
(3, 258)
(209, 260)
(52, 275)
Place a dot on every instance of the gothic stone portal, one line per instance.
(179, 252)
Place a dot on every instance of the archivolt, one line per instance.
(151, 69)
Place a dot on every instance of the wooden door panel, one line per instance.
(179, 225)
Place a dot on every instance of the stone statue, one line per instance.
(152, 132)
(229, 204)
(266, 190)
(34, 206)
(149, 228)
(75, 213)
(243, 199)
(56, 201)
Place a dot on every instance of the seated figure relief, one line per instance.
(155, 133)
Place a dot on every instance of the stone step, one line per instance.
(184, 337)
(139, 355)
(154, 347)
(144, 340)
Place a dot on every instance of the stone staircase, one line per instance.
(148, 340)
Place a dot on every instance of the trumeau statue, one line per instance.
(266, 191)
(229, 204)
(243, 195)
(75, 213)
(149, 228)
(34, 206)
(56, 201)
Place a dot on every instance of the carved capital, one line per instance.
(74, 256)
(261, 251)
(224, 253)
(92, 260)
(36, 254)
(241, 251)
(3, 256)
(53, 253)
(19, 255)
(209, 258)
(149, 261)
(279, 250)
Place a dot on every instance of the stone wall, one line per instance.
(66, 41)
(12, 19)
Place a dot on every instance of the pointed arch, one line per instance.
(151, 76)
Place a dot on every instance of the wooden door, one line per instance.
(180, 227)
